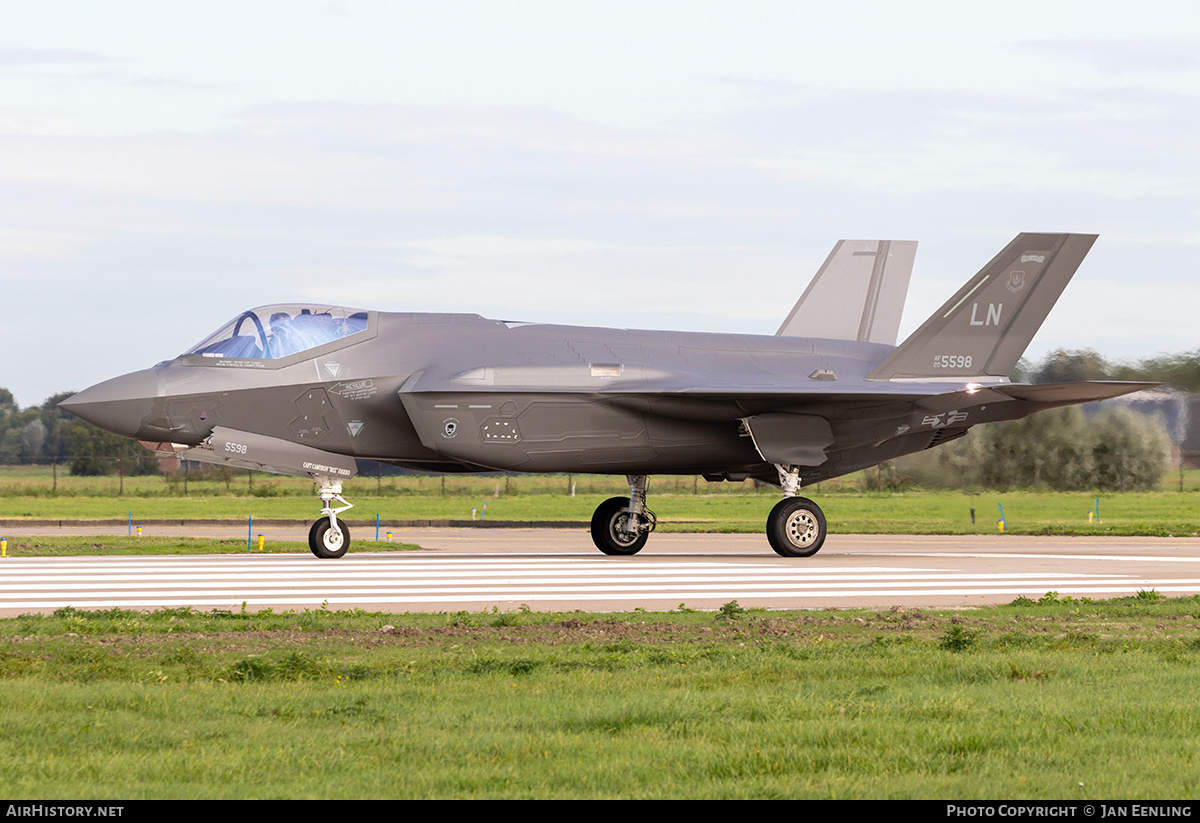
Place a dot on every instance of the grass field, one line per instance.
(44, 481)
(74, 546)
(1056, 699)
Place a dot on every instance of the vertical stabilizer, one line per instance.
(984, 328)
(857, 294)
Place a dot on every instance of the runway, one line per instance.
(559, 570)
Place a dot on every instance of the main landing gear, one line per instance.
(622, 525)
(328, 538)
(795, 527)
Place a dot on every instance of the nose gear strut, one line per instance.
(328, 538)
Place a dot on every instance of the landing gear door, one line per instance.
(790, 439)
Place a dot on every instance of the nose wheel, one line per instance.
(329, 538)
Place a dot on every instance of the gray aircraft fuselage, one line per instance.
(305, 390)
(457, 392)
(522, 397)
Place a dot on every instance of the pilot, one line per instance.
(283, 340)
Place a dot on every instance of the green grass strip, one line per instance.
(1057, 699)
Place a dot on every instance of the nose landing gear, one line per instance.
(328, 538)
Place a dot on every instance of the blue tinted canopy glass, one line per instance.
(274, 332)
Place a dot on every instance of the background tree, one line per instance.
(1129, 453)
(57, 422)
(33, 437)
(1181, 371)
(1070, 365)
(1061, 449)
(99, 452)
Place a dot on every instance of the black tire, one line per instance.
(796, 527)
(328, 543)
(606, 532)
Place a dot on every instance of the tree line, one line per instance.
(1061, 449)
(48, 434)
(1180, 371)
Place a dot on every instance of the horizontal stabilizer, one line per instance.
(857, 294)
(984, 328)
(1052, 395)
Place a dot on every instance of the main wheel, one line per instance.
(610, 516)
(796, 527)
(326, 541)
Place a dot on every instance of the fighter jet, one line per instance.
(306, 389)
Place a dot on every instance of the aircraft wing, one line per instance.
(864, 429)
(1052, 395)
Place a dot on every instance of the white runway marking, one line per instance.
(423, 583)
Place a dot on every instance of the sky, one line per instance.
(678, 165)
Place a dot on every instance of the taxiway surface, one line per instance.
(560, 570)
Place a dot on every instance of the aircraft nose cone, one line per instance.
(117, 405)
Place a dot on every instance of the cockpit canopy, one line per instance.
(274, 332)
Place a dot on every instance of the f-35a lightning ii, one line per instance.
(305, 390)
